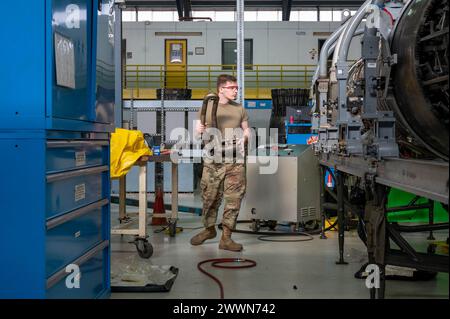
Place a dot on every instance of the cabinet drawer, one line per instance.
(71, 235)
(68, 155)
(70, 190)
(93, 277)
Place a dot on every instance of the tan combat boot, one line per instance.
(207, 233)
(226, 242)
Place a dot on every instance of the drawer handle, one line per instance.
(62, 144)
(55, 278)
(81, 172)
(52, 223)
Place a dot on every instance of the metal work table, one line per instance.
(144, 248)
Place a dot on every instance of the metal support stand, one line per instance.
(133, 124)
(118, 69)
(382, 289)
(322, 200)
(174, 216)
(431, 218)
(377, 251)
(161, 131)
(341, 217)
(423, 178)
(383, 192)
(122, 200)
(240, 49)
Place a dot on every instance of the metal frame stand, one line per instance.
(407, 255)
(143, 247)
(431, 218)
(377, 239)
(378, 232)
(341, 216)
(322, 201)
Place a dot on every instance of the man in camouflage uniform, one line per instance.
(225, 179)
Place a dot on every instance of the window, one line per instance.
(225, 16)
(294, 15)
(176, 53)
(308, 15)
(268, 16)
(229, 49)
(164, 16)
(337, 15)
(326, 15)
(250, 15)
(145, 15)
(128, 16)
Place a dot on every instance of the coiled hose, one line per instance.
(219, 263)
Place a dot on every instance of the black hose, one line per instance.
(305, 233)
(265, 237)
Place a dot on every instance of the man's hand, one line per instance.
(201, 128)
(247, 132)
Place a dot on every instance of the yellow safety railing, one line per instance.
(141, 81)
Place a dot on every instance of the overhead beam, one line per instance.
(286, 9)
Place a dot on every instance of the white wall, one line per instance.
(273, 42)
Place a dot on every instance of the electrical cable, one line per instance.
(390, 16)
(194, 228)
(183, 227)
(218, 263)
(270, 234)
(156, 231)
(265, 237)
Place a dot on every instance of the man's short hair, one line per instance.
(224, 78)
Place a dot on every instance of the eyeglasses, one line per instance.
(231, 87)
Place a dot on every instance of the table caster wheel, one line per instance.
(144, 248)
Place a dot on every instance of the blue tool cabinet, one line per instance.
(56, 111)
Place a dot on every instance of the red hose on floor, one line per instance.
(217, 262)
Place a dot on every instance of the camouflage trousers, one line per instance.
(222, 180)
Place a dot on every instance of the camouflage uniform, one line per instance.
(222, 180)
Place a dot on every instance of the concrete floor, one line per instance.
(309, 265)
